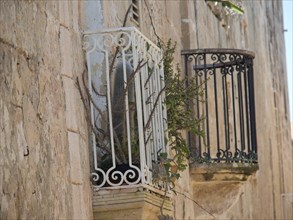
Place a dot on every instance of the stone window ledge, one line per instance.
(232, 172)
(138, 202)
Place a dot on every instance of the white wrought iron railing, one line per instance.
(128, 114)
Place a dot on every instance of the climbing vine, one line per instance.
(180, 91)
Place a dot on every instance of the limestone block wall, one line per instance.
(193, 25)
(44, 137)
(259, 30)
(44, 154)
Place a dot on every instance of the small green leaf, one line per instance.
(232, 6)
(147, 46)
(164, 155)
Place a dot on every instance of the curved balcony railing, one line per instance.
(129, 120)
(225, 108)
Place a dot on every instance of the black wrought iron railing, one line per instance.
(226, 107)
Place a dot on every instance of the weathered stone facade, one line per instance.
(44, 137)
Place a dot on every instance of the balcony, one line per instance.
(226, 106)
(126, 81)
(125, 84)
(226, 155)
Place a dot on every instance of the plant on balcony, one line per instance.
(180, 117)
(112, 121)
(180, 91)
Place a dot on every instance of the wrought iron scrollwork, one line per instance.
(228, 106)
(125, 82)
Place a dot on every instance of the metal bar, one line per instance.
(159, 109)
(198, 114)
(132, 29)
(110, 111)
(252, 107)
(191, 145)
(92, 110)
(246, 109)
(207, 109)
(224, 105)
(240, 102)
(126, 108)
(145, 110)
(97, 169)
(234, 110)
(215, 65)
(216, 110)
(139, 110)
(154, 117)
(227, 112)
(164, 107)
(219, 51)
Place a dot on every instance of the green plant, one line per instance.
(180, 92)
(230, 5)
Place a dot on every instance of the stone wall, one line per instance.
(259, 30)
(44, 137)
(43, 132)
(193, 25)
